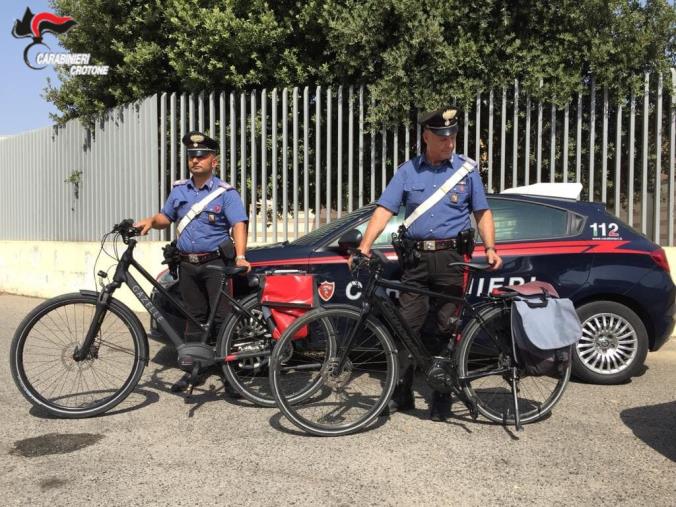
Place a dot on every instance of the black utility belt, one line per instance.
(433, 245)
(199, 258)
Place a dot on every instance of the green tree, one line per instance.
(186, 45)
(409, 52)
(423, 52)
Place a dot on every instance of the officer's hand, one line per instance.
(243, 263)
(352, 259)
(145, 225)
(494, 260)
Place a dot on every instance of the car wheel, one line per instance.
(613, 346)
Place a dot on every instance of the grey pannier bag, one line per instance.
(544, 328)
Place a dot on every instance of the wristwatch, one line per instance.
(240, 258)
(490, 248)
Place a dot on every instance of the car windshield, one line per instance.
(328, 230)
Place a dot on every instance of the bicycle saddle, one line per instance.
(229, 270)
(470, 265)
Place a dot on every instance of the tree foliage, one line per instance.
(410, 52)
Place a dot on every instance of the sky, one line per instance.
(22, 107)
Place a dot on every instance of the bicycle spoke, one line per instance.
(487, 372)
(314, 394)
(50, 371)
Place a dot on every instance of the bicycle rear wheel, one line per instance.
(304, 378)
(244, 334)
(489, 384)
(42, 361)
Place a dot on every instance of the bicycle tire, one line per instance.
(250, 376)
(493, 393)
(343, 403)
(242, 334)
(66, 388)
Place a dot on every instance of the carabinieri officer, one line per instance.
(436, 232)
(201, 231)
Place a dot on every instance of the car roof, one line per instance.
(560, 190)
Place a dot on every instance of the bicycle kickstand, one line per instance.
(517, 415)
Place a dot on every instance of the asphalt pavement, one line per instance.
(603, 445)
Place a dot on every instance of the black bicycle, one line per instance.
(352, 354)
(81, 354)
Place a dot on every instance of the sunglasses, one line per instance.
(199, 153)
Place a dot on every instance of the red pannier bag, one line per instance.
(287, 296)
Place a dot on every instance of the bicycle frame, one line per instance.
(414, 344)
(394, 321)
(122, 276)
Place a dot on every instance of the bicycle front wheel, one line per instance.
(311, 387)
(485, 367)
(42, 363)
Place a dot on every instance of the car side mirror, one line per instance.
(350, 240)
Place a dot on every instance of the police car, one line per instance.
(618, 279)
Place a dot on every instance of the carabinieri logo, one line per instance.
(36, 26)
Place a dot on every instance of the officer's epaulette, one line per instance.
(225, 185)
(415, 161)
(180, 182)
(465, 158)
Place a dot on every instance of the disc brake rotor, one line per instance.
(334, 379)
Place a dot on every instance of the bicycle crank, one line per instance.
(440, 375)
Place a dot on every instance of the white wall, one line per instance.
(49, 268)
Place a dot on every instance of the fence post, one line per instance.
(672, 149)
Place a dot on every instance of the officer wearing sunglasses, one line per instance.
(203, 240)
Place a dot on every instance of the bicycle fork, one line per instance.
(337, 368)
(84, 351)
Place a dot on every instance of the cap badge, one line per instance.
(197, 138)
(449, 114)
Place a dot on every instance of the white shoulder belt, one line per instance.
(464, 170)
(196, 209)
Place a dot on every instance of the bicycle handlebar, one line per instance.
(126, 229)
(378, 259)
(373, 262)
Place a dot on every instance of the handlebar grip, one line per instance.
(126, 228)
(358, 260)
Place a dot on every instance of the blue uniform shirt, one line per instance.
(211, 227)
(417, 179)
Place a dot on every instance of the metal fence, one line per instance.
(301, 157)
(73, 184)
(304, 156)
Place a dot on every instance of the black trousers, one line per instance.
(199, 289)
(431, 319)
